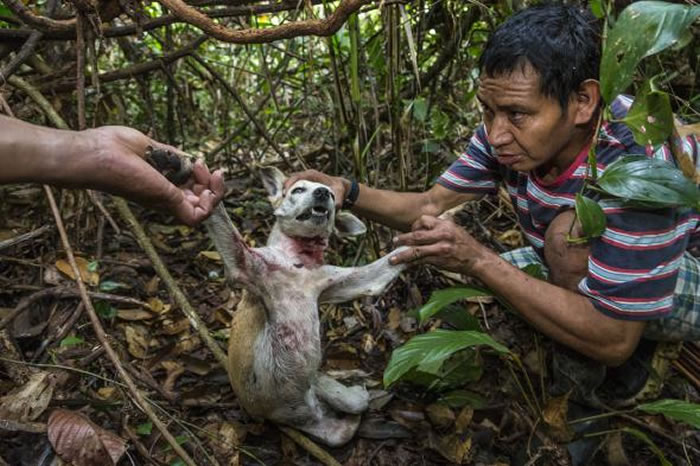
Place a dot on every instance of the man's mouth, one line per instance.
(508, 159)
(317, 212)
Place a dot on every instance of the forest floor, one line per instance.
(485, 421)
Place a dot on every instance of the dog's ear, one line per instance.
(273, 180)
(346, 224)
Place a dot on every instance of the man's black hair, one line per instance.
(560, 42)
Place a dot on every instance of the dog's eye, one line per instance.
(298, 190)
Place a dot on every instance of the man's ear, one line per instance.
(346, 224)
(587, 101)
(273, 180)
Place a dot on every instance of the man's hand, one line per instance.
(121, 170)
(340, 186)
(440, 243)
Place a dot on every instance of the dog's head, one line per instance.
(307, 209)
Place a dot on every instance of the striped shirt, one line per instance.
(633, 266)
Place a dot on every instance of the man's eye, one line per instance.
(516, 116)
(298, 190)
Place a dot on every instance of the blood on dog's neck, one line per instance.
(303, 252)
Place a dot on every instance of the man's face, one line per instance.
(526, 129)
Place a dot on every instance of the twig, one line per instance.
(173, 288)
(102, 338)
(24, 237)
(317, 452)
(315, 27)
(80, 69)
(21, 56)
(97, 326)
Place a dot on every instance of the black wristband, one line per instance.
(351, 197)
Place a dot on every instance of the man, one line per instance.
(108, 159)
(540, 97)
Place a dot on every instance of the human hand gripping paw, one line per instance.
(440, 243)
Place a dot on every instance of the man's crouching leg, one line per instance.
(568, 265)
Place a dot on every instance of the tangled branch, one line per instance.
(311, 27)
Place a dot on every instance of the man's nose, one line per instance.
(321, 194)
(499, 133)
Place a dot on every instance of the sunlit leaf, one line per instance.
(597, 8)
(441, 298)
(145, 428)
(591, 216)
(650, 182)
(428, 351)
(642, 29)
(650, 118)
(675, 409)
(110, 285)
(645, 438)
(71, 341)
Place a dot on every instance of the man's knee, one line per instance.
(567, 262)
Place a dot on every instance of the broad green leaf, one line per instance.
(429, 351)
(459, 398)
(650, 118)
(642, 29)
(645, 438)
(4, 11)
(93, 266)
(460, 368)
(591, 216)
(534, 270)
(71, 341)
(441, 298)
(458, 317)
(650, 182)
(675, 409)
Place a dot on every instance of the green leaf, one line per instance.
(442, 298)
(71, 341)
(597, 8)
(650, 118)
(429, 351)
(145, 429)
(420, 109)
(643, 437)
(591, 216)
(460, 398)
(93, 266)
(109, 285)
(105, 310)
(650, 182)
(642, 29)
(458, 317)
(460, 368)
(535, 271)
(675, 409)
(4, 11)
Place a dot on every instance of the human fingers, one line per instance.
(425, 222)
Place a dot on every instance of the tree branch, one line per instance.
(42, 23)
(311, 27)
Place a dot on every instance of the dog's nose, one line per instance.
(321, 194)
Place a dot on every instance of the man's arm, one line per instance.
(106, 159)
(566, 316)
(394, 209)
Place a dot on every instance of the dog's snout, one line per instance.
(321, 194)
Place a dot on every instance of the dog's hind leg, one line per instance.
(352, 400)
(331, 430)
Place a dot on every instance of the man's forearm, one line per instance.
(34, 153)
(563, 315)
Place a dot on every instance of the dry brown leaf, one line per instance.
(158, 306)
(464, 418)
(107, 393)
(134, 314)
(211, 255)
(52, 276)
(90, 278)
(26, 403)
(174, 371)
(151, 287)
(440, 415)
(394, 318)
(79, 441)
(226, 438)
(555, 416)
(368, 343)
(453, 447)
(615, 451)
(137, 340)
(173, 327)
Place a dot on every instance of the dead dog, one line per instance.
(274, 351)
